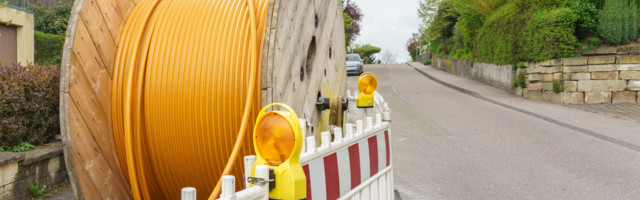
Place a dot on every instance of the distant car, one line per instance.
(354, 65)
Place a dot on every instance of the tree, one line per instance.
(412, 45)
(352, 15)
(388, 57)
(366, 52)
(426, 12)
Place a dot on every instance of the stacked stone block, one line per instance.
(587, 80)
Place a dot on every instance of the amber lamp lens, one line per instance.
(274, 138)
(367, 84)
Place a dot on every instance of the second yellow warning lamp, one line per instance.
(367, 84)
(277, 139)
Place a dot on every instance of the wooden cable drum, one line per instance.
(303, 57)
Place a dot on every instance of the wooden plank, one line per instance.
(98, 33)
(91, 113)
(110, 11)
(125, 8)
(67, 147)
(90, 190)
(90, 60)
(92, 160)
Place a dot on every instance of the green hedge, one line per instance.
(618, 22)
(48, 48)
(497, 40)
(29, 102)
(549, 34)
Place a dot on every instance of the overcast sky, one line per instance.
(388, 24)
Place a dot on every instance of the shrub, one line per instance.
(519, 80)
(592, 43)
(518, 66)
(51, 20)
(618, 22)
(587, 13)
(441, 29)
(427, 62)
(496, 41)
(464, 35)
(366, 52)
(558, 86)
(29, 104)
(549, 34)
(48, 48)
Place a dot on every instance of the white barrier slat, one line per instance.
(228, 187)
(344, 171)
(348, 131)
(326, 139)
(363, 147)
(249, 161)
(188, 193)
(369, 125)
(303, 126)
(311, 144)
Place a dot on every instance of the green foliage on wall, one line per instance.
(549, 34)
(497, 40)
(618, 22)
(509, 31)
(519, 80)
(587, 13)
(51, 20)
(48, 48)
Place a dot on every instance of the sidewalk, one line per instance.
(624, 111)
(600, 126)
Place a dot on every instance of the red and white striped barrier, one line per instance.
(356, 164)
(342, 171)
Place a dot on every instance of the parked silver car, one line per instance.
(354, 65)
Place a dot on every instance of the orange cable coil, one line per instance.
(186, 93)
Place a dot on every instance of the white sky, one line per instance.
(388, 24)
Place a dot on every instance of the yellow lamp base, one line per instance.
(365, 100)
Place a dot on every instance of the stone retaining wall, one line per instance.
(19, 170)
(500, 76)
(587, 80)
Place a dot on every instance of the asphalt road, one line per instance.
(450, 145)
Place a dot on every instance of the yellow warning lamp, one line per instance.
(367, 84)
(277, 139)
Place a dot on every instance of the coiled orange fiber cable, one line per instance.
(185, 93)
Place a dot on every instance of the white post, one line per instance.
(359, 127)
(378, 120)
(326, 139)
(311, 144)
(249, 161)
(369, 123)
(189, 193)
(349, 131)
(262, 171)
(337, 133)
(228, 187)
(387, 116)
(303, 126)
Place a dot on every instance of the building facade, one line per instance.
(16, 35)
